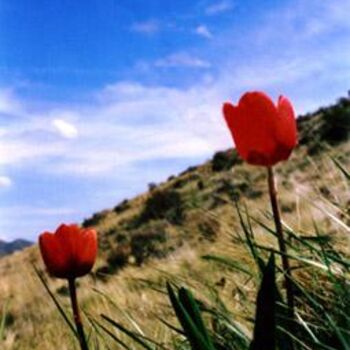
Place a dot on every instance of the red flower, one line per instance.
(264, 134)
(69, 252)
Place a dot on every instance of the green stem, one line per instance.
(281, 241)
(76, 314)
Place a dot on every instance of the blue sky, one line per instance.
(99, 98)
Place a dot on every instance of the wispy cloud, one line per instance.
(182, 59)
(9, 105)
(146, 27)
(127, 124)
(203, 30)
(65, 129)
(219, 7)
(5, 182)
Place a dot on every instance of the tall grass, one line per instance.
(203, 320)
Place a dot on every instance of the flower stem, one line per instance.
(76, 314)
(281, 241)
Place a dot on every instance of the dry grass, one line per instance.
(311, 189)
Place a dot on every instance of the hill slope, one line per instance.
(166, 230)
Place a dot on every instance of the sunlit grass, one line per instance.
(314, 194)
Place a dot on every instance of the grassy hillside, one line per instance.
(165, 232)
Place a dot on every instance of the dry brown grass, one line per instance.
(303, 184)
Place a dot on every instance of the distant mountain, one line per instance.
(10, 247)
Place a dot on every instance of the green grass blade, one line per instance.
(138, 338)
(194, 336)
(56, 302)
(265, 320)
(190, 305)
(112, 335)
(250, 242)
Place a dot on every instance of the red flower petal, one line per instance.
(263, 134)
(286, 130)
(87, 251)
(54, 256)
(70, 252)
(251, 125)
(68, 237)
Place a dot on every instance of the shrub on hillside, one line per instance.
(95, 219)
(228, 188)
(225, 160)
(118, 258)
(122, 206)
(149, 242)
(200, 185)
(209, 228)
(327, 125)
(336, 126)
(152, 186)
(164, 204)
(183, 181)
(190, 169)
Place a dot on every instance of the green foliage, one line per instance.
(200, 185)
(209, 228)
(122, 206)
(118, 258)
(336, 123)
(181, 182)
(95, 219)
(188, 314)
(233, 191)
(163, 204)
(225, 160)
(327, 126)
(149, 242)
(320, 273)
(63, 290)
(264, 337)
(189, 170)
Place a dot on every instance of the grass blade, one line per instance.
(56, 302)
(265, 319)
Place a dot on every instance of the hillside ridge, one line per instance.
(168, 229)
(9, 247)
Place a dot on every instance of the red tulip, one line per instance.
(70, 252)
(264, 134)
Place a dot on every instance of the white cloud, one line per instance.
(9, 105)
(5, 182)
(128, 128)
(182, 59)
(202, 30)
(65, 129)
(15, 151)
(219, 7)
(130, 123)
(147, 27)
